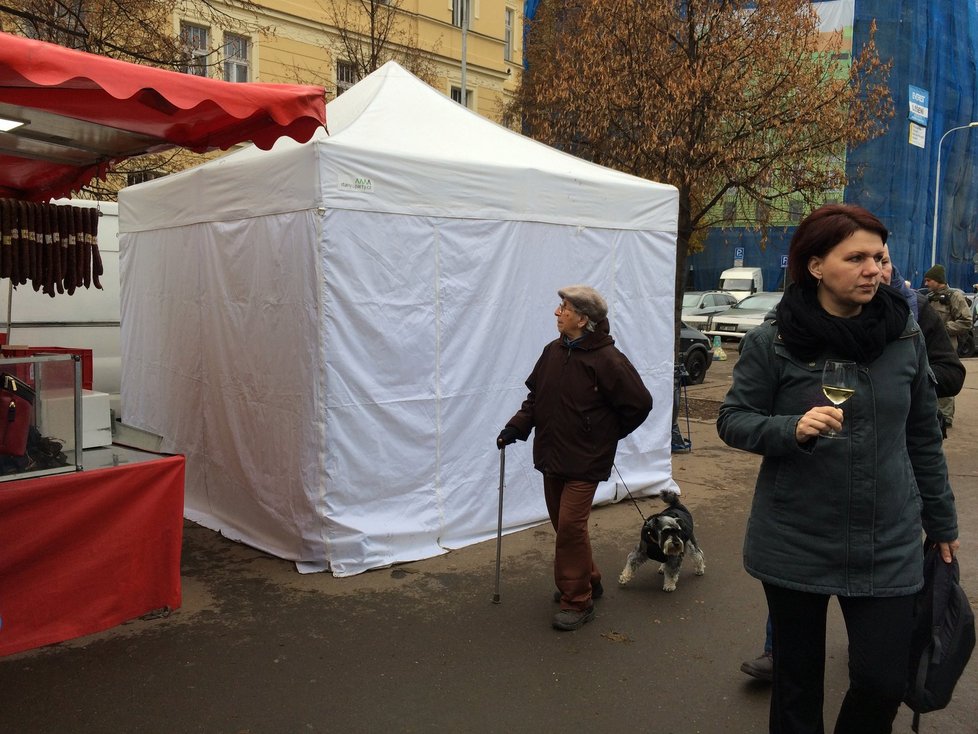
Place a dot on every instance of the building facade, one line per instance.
(330, 42)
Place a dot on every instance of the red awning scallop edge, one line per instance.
(144, 108)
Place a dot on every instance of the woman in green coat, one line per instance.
(840, 516)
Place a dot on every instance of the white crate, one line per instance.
(56, 418)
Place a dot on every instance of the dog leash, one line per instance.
(639, 509)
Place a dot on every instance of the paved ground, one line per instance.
(259, 649)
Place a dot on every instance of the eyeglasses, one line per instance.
(565, 306)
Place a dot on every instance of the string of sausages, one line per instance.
(53, 246)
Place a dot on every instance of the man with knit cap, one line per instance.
(953, 310)
(584, 396)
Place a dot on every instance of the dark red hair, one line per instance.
(821, 231)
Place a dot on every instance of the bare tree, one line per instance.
(373, 32)
(724, 99)
(132, 30)
(139, 169)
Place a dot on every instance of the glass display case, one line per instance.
(40, 416)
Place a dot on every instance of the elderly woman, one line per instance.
(584, 397)
(840, 516)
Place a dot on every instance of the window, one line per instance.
(196, 48)
(729, 210)
(718, 300)
(236, 52)
(138, 177)
(346, 76)
(459, 11)
(457, 96)
(508, 35)
(794, 211)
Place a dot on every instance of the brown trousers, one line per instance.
(569, 505)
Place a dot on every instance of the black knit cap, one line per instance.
(936, 273)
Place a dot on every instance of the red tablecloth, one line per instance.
(83, 552)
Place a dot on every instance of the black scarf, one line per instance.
(809, 331)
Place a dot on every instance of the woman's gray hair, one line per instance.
(587, 302)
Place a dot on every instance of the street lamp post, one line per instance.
(466, 7)
(937, 188)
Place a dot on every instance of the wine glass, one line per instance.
(839, 384)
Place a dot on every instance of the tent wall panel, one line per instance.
(226, 348)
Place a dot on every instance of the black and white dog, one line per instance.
(666, 537)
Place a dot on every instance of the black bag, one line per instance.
(16, 403)
(943, 636)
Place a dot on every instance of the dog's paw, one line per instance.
(668, 587)
(624, 578)
(661, 569)
(700, 570)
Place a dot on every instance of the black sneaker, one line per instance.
(597, 591)
(572, 619)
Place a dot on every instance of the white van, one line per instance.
(741, 282)
(89, 318)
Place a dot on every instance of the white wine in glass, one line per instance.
(839, 384)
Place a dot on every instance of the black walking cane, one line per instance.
(499, 527)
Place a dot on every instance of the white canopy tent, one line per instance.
(334, 333)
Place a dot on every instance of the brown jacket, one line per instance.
(583, 399)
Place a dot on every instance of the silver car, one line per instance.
(700, 306)
(739, 319)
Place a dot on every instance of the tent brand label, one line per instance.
(358, 183)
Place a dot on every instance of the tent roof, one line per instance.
(84, 112)
(396, 145)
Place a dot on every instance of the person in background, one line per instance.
(584, 397)
(839, 516)
(953, 311)
(949, 376)
(949, 372)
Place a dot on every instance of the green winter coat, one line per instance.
(840, 516)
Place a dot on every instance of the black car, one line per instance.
(695, 352)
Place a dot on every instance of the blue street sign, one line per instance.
(784, 261)
(738, 253)
(919, 103)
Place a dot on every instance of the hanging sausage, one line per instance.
(50, 246)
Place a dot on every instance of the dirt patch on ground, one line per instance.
(699, 409)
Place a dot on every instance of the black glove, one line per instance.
(507, 436)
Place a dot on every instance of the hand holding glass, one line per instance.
(838, 384)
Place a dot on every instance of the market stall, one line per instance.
(88, 549)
